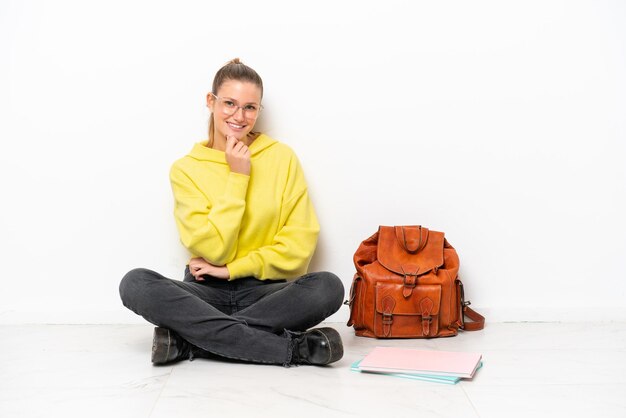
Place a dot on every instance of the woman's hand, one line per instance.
(199, 267)
(237, 156)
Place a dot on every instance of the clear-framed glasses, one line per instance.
(230, 107)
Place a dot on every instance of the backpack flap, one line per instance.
(410, 250)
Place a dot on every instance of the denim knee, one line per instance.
(330, 288)
(133, 284)
(336, 291)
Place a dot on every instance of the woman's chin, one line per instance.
(237, 134)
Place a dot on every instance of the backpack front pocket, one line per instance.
(415, 316)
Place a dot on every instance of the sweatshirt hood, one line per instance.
(201, 152)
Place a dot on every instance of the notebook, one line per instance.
(449, 380)
(425, 362)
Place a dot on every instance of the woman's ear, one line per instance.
(210, 101)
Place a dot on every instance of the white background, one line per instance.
(500, 123)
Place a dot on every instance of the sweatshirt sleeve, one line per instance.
(209, 229)
(290, 252)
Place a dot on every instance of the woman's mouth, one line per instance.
(235, 126)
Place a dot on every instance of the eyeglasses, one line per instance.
(230, 107)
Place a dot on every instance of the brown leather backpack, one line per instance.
(406, 286)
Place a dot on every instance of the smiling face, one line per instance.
(237, 96)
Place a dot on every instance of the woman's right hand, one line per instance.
(237, 156)
(198, 267)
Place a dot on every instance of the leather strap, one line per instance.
(478, 321)
(412, 238)
(426, 306)
(388, 304)
(410, 281)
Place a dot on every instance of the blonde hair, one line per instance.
(232, 70)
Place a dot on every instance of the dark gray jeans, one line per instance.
(245, 319)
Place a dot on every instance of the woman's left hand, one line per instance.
(199, 266)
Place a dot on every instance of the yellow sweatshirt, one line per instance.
(262, 225)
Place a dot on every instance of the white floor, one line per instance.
(530, 369)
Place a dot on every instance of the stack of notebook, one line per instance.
(433, 366)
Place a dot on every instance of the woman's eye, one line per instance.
(251, 108)
(229, 103)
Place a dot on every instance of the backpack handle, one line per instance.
(412, 238)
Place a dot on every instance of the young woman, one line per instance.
(244, 213)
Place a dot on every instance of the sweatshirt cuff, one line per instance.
(243, 267)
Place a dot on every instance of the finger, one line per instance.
(204, 270)
(198, 269)
(231, 141)
(244, 151)
(238, 149)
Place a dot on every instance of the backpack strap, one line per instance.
(477, 320)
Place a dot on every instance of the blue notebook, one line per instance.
(448, 380)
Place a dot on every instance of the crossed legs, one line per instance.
(244, 319)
